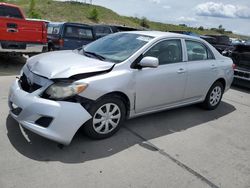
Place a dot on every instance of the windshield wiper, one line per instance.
(98, 56)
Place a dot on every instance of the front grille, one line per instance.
(17, 111)
(44, 121)
(27, 86)
(242, 74)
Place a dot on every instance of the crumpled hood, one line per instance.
(64, 64)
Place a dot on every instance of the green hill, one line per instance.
(79, 12)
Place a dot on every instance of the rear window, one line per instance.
(78, 32)
(223, 40)
(10, 12)
(53, 29)
(102, 31)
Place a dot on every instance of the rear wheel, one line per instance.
(108, 114)
(214, 96)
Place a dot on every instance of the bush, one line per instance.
(201, 28)
(144, 22)
(94, 15)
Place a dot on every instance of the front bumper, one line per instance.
(67, 117)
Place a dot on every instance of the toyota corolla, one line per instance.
(117, 77)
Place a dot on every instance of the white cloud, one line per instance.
(155, 1)
(222, 10)
(186, 19)
(166, 7)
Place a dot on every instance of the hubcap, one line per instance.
(106, 118)
(215, 96)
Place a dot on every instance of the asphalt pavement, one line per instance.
(187, 147)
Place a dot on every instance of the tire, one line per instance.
(213, 96)
(50, 47)
(102, 125)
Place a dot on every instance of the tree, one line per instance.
(221, 29)
(94, 15)
(32, 12)
(144, 22)
(183, 25)
(201, 28)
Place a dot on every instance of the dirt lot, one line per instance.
(186, 147)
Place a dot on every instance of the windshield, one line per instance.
(117, 47)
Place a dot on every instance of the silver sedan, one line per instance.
(120, 76)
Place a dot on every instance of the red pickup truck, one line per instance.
(18, 35)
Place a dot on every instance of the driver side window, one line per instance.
(168, 51)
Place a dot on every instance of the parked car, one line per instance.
(68, 36)
(103, 30)
(220, 42)
(119, 76)
(247, 42)
(18, 35)
(241, 58)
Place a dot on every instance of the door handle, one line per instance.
(181, 70)
(12, 30)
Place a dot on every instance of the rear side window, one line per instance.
(196, 51)
(78, 32)
(10, 12)
(168, 51)
(102, 31)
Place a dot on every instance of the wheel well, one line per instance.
(121, 96)
(222, 80)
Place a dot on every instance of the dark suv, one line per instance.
(220, 42)
(68, 36)
(241, 58)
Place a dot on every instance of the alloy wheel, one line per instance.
(106, 118)
(215, 96)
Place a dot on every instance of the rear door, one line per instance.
(76, 36)
(202, 70)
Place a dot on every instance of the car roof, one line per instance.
(9, 5)
(162, 34)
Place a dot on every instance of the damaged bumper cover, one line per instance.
(55, 120)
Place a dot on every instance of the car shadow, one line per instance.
(135, 131)
(241, 88)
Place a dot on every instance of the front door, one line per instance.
(164, 85)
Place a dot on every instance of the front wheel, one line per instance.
(214, 96)
(108, 114)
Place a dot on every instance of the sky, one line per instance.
(233, 15)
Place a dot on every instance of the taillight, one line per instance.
(44, 33)
(61, 42)
(233, 66)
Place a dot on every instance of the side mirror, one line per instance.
(149, 62)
